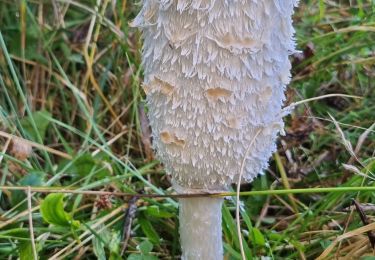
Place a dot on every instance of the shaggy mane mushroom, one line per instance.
(215, 75)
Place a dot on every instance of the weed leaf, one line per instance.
(41, 122)
(52, 210)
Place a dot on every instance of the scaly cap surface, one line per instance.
(215, 74)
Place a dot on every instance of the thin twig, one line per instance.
(13, 219)
(31, 227)
(292, 105)
(238, 194)
(360, 142)
(347, 144)
(342, 124)
(36, 145)
(128, 220)
(111, 141)
(189, 195)
(365, 221)
(5, 148)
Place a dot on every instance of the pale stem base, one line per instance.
(200, 228)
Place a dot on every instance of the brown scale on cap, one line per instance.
(170, 138)
(214, 94)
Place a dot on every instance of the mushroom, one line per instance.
(215, 74)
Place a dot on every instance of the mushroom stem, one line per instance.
(200, 228)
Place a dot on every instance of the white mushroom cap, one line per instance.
(214, 77)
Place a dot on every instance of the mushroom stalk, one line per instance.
(200, 229)
(215, 75)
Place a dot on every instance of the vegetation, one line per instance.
(72, 116)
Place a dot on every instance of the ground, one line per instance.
(73, 116)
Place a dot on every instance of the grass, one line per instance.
(72, 117)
